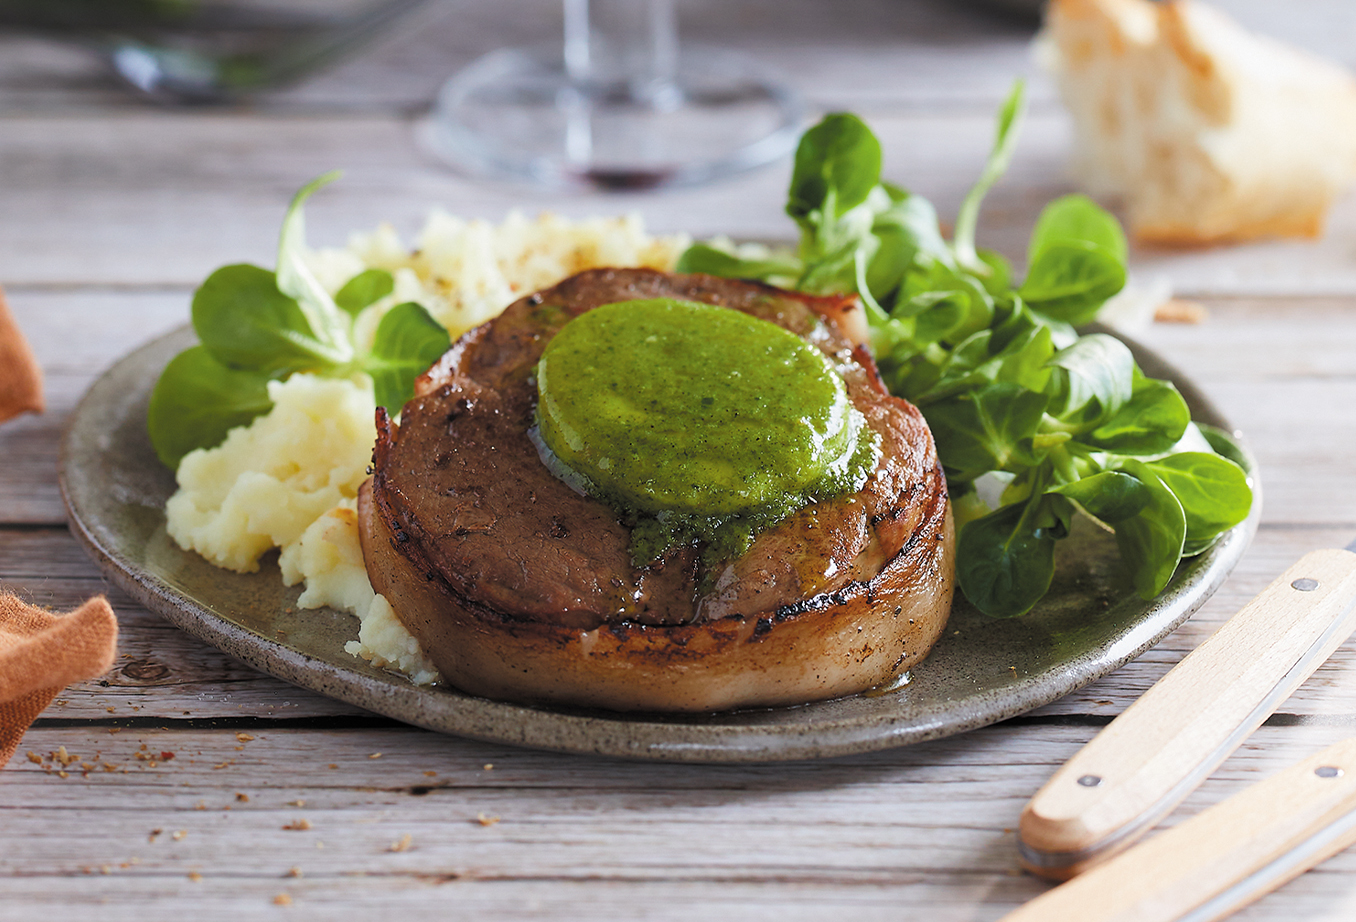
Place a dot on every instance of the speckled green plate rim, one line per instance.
(981, 672)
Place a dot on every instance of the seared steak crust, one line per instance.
(476, 543)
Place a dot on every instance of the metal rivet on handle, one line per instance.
(1305, 584)
(1090, 781)
(1328, 771)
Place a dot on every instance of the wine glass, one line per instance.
(619, 104)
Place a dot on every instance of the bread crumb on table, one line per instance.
(1178, 310)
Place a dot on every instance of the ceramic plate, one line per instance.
(982, 671)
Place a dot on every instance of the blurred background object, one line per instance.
(619, 104)
(209, 50)
(1206, 132)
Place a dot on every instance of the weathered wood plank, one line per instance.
(923, 54)
(213, 191)
(854, 53)
(929, 826)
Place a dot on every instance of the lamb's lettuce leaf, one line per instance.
(255, 326)
(1007, 384)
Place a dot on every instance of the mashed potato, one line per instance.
(265, 485)
(289, 479)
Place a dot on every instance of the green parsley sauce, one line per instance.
(696, 423)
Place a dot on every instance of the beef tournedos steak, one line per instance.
(520, 588)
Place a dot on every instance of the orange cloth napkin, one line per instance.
(41, 653)
(20, 377)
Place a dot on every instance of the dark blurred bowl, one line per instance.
(209, 50)
(1027, 10)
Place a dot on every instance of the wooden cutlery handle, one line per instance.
(1151, 756)
(1223, 858)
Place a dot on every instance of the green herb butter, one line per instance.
(696, 422)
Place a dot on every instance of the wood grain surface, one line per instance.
(193, 787)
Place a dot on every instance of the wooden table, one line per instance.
(280, 802)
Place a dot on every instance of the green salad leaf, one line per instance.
(408, 341)
(363, 290)
(244, 321)
(255, 326)
(1048, 421)
(198, 400)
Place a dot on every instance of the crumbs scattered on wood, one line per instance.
(403, 845)
(298, 824)
(485, 820)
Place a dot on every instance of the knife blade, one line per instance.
(1158, 750)
(1223, 858)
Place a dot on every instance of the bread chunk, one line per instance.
(1208, 133)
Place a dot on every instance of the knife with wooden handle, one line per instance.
(1165, 744)
(1223, 858)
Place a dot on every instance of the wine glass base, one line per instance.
(515, 114)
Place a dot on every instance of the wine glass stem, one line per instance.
(628, 46)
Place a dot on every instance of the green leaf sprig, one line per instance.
(256, 326)
(1014, 396)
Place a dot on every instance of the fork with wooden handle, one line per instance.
(1149, 758)
(1223, 858)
